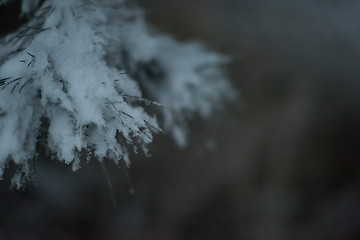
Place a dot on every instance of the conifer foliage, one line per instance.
(92, 76)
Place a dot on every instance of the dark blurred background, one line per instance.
(281, 163)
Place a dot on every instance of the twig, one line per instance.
(128, 178)
(110, 186)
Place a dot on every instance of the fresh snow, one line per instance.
(73, 79)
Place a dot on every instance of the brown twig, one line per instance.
(109, 183)
(128, 178)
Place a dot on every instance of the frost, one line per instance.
(72, 79)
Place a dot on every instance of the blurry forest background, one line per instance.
(281, 163)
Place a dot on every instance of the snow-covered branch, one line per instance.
(73, 78)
